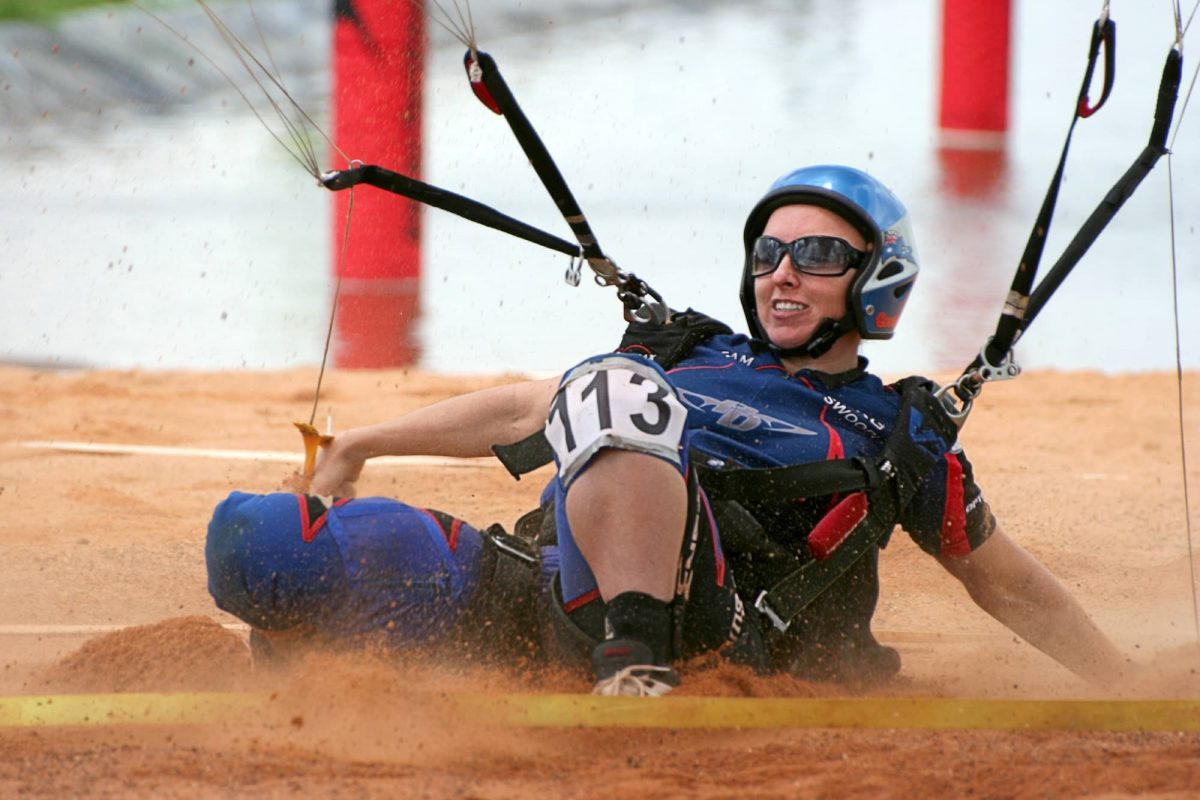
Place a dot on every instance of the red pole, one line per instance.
(378, 65)
(975, 65)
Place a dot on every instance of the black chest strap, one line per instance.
(922, 435)
(526, 455)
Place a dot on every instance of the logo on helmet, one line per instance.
(894, 246)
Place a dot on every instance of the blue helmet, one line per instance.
(880, 289)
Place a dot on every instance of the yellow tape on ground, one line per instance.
(192, 708)
(908, 713)
(586, 711)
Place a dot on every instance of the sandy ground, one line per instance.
(1083, 469)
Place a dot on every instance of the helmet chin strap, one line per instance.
(828, 332)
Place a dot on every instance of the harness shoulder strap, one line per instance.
(922, 435)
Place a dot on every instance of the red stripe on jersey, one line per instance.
(836, 448)
(954, 517)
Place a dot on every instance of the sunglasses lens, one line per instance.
(821, 255)
(768, 252)
(812, 255)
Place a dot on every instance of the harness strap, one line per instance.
(526, 455)
(788, 597)
(505, 604)
(739, 485)
(815, 479)
(922, 434)
(1024, 303)
(481, 69)
(1008, 329)
(640, 301)
(431, 195)
(875, 489)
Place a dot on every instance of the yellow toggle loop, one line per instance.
(312, 440)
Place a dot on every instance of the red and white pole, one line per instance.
(378, 67)
(973, 112)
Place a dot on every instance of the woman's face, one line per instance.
(791, 304)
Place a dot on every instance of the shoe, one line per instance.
(626, 668)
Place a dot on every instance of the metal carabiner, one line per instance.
(968, 385)
(574, 269)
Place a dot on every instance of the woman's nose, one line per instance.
(785, 273)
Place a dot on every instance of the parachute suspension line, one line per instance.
(1180, 31)
(297, 126)
(337, 293)
(1179, 34)
(262, 39)
(1187, 502)
(300, 149)
(462, 28)
(303, 141)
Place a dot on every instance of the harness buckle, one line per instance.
(970, 383)
(761, 604)
(1007, 369)
(874, 470)
(511, 546)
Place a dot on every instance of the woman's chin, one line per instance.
(787, 339)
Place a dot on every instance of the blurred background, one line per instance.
(148, 220)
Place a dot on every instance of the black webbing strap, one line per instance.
(1168, 91)
(431, 195)
(815, 479)
(922, 432)
(784, 600)
(1012, 319)
(539, 157)
(526, 455)
(488, 84)
(1024, 302)
(740, 485)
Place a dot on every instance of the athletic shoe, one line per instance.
(626, 668)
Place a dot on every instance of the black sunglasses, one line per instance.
(825, 256)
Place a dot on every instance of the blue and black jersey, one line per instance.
(745, 409)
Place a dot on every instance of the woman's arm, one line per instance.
(1014, 587)
(463, 426)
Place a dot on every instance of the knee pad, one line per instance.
(372, 565)
(618, 401)
(262, 569)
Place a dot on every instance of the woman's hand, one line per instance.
(338, 468)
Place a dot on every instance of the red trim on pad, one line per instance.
(581, 601)
(954, 517)
(828, 534)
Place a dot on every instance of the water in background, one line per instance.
(149, 221)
